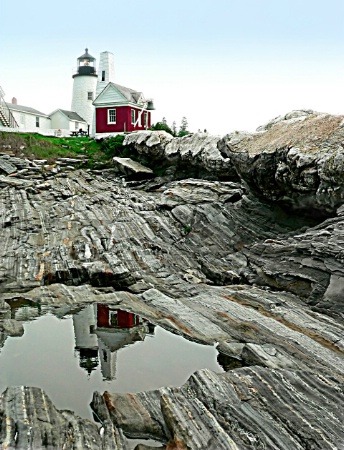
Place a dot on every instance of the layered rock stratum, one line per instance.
(239, 242)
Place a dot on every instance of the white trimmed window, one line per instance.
(90, 95)
(111, 116)
(133, 116)
(113, 318)
(37, 122)
(145, 120)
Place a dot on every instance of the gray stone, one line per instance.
(240, 246)
(128, 167)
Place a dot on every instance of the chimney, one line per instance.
(14, 101)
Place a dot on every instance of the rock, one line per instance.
(6, 166)
(30, 421)
(297, 160)
(132, 169)
(130, 416)
(198, 155)
(249, 407)
(238, 245)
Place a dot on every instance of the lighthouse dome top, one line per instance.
(86, 65)
(86, 56)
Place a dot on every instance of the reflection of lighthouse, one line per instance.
(106, 329)
(86, 342)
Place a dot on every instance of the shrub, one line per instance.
(113, 146)
(161, 126)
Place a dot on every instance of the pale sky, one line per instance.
(226, 65)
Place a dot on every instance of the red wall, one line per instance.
(123, 120)
(125, 319)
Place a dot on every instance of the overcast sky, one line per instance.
(226, 65)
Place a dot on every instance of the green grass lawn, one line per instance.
(98, 153)
(50, 148)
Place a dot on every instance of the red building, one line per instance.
(120, 109)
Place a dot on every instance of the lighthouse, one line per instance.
(84, 87)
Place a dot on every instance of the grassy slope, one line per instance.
(98, 153)
(43, 147)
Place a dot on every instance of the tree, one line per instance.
(174, 128)
(161, 126)
(183, 130)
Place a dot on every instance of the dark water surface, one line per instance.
(72, 357)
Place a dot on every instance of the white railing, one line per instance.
(6, 113)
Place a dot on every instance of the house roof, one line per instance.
(26, 109)
(70, 114)
(129, 94)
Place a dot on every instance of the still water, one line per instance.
(99, 348)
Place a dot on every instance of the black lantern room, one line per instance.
(86, 65)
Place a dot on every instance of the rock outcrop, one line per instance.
(196, 155)
(239, 245)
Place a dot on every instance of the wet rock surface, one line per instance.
(247, 253)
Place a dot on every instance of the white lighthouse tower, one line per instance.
(106, 71)
(84, 87)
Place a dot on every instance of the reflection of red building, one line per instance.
(104, 329)
(110, 317)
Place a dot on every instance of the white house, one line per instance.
(29, 118)
(67, 120)
(59, 122)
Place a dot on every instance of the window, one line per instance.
(133, 116)
(111, 116)
(103, 75)
(22, 119)
(89, 95)
(113, 318)
(76, 125)
(145, 120)
(37, 122)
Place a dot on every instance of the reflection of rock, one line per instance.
(228, 362)
(5, 310)
(11, 327)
